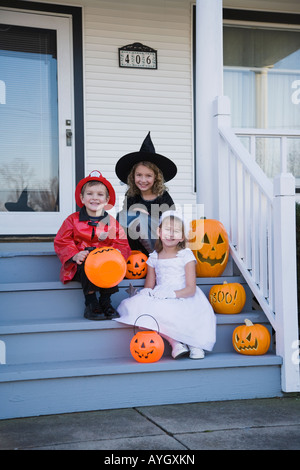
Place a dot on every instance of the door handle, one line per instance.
(68, 137)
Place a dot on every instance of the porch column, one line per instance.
(285, 272)
(209, 85)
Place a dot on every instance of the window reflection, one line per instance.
(262, 77)
(262, 80)
(29, 158)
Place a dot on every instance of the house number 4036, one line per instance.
(138, 59)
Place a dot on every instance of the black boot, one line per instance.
(92, 310)
(107, 308)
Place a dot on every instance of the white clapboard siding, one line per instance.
(122, 105)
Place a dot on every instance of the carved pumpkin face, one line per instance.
(147, 346)
(227, 298)
(136, 265)
(250, 339)
(208, 240)
(105, 267)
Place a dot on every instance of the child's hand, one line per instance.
(146, 291)
(80, 256)
(164, 292)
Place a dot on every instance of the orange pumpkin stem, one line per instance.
(248, 322)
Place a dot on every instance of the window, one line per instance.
(262, 76)
(262, 80)
(28, 119)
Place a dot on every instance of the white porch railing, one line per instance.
(259, 216)
(279, 154)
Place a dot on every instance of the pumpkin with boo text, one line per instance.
(227, 298)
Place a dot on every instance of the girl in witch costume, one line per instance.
(92, 227)
(145, 173)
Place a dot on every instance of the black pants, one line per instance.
(88, 286)
(140, 229)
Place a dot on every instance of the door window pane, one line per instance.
(29, 157)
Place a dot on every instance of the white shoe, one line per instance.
(196, 353)
(179, 350)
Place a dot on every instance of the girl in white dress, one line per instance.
(182, 311)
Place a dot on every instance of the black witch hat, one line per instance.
(146, 154)
(20, 205)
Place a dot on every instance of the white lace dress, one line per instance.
(190, 320)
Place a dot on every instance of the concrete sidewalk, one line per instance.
(246, 424)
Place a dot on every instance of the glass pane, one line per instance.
(241, 84)
(293, 160)
(268, 155)
(28, 119)
(246, 142)
(262, 76)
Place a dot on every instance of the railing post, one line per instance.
(222, 118)
(287, 340)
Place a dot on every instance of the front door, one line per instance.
(36, 117)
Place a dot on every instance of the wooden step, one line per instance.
(76, 339)
(59, 362)
(64, 387)
(28, 262)
(52, 299)
(38, 262)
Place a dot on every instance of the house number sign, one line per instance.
(138, 56)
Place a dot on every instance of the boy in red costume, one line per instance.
(91, 227)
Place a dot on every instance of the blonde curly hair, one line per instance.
(158, 187)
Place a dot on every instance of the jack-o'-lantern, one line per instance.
(105, 267)
(251, 339)
(136, 265)
(227, 298)
(147, 346)
(208, 240)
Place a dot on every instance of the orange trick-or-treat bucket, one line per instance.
(105, 267)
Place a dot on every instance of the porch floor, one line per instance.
(259, 424)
